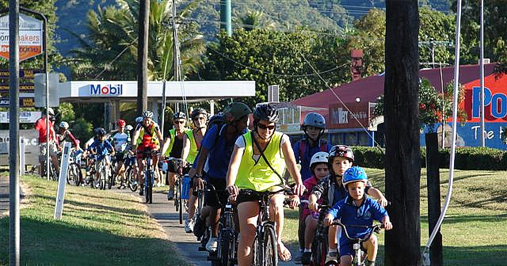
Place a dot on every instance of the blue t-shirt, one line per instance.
(357, 215)
(102, 148)
(305, 158)
(220, 151)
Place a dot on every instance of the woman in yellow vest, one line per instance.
(173, 147)
(191, 145)
(257, 164)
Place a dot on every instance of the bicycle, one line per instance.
(131, 172)
(149, 174)
(320, 241)
(103, 169)
(227, 238)
(359, 254)
(179, 202)
(75, 176)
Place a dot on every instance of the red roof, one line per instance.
(368, 89)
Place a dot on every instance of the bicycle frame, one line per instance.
(359, 259)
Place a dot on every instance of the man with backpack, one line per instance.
(313, 126)
(213, 160)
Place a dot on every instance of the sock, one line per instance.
(308, 250)
(330, 250)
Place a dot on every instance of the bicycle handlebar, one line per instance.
(375, 229)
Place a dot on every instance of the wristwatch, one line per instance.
(198, 175)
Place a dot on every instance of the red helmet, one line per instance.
(121, 123)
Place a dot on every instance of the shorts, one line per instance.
(120, 156)
(247, 195)
(172, 166)
(216, 197)
(141, 149)
(346, 248)
(53, 150)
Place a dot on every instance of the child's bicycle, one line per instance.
(359, 254)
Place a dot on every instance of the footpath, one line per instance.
(4, 195)
(164, 212)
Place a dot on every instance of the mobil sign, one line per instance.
(495, 99)
(108, 89)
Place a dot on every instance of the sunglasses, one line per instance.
(262, 126)
(179, 122)
(199, 118)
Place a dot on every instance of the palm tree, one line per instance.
(110, 50)
(255, 19)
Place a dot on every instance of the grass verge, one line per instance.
(97, 227)
(473, 230)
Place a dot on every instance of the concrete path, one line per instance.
(4, 194)
(164, 212)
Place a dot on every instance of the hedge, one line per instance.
(467, 158)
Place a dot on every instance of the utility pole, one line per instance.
(176, 49)
(483, 128)
(225, 16)
(142, 57)
(14, 217)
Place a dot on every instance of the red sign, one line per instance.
(352, 115)
(495, 99)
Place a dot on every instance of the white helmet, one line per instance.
(319, 157)
(129, 128)
(64, 124)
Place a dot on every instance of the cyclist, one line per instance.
(120, 141)
(191, 144)
(149, 133)
(313, 126)
(357, 209)
(331, 190)
(173, 146)
(214, 157)
(257, 165)
(101, 147)
(66, 134)
(40, 125)
(318, 165)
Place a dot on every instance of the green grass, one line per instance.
(97, 227)
(474, 229)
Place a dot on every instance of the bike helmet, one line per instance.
(99, 132)
(235, 111)
(121, 123)
(64, 125)
(147, 114)
(341, 151)
(198, 111)
(51, 111)
(179, 115)
(139, 119)
(354, 174)
(266, 112)
(319, 157)
(314, 120)
(129, 128)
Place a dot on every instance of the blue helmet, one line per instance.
(354, 174)
(314, 120)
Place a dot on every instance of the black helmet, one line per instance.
(236, 110)
(341, 151)
(198, 111)
(99, 132)
(179, 115)
(266, 112)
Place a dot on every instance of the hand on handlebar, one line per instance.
(314, 206)
(233, 191)
(386, 223)
(294, 202)
(198, 182)
(299, 189)
(383, 202)
(328, 220)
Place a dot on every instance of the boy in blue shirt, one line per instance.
(101, 147)
(357, 209)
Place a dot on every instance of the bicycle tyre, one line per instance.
(110, 178)
(180, 190)
(75, 173)
(131, 179)
(257, 250)
(269, 247)
(319, 250)
(148, 187)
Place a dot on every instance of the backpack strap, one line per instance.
(302, 149)
(323, 145)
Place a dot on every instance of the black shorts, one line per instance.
(216, 197)
(120, 156)
(247, 195)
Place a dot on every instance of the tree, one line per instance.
(402, 132)
(272, 57)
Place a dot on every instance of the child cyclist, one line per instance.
(331, 190)
(102, 148)
(318, 165)
(313, 126)
(359, 210)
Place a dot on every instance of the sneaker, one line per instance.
(298, 257)
(189, 226)
(306, 258)
(332, 257)
(212, 244)
(170, 194)
(199, 227)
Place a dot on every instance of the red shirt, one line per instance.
(40, 125)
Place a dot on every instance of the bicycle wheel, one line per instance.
(131, 179)
(257, 250)
(148, 185)
(110, 177)
(269, 246)
(225, 247)
(180, 201)
(74, 174)
(319, 250)
(102, 177)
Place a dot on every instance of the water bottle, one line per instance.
(185, 188)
